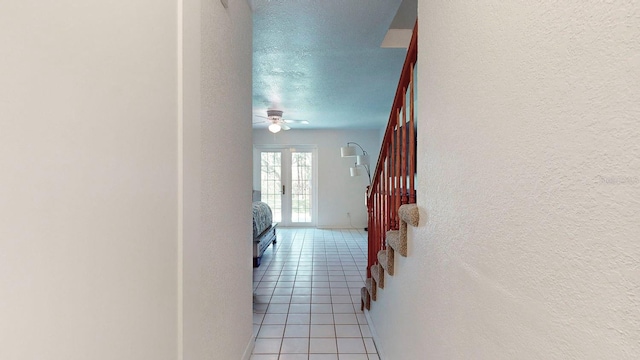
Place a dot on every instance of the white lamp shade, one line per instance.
(354, 171)
(274, 128)
(362, 160)
(348, 151)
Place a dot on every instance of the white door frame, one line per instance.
(286, 179)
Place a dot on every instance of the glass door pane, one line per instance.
(271, 181)
(287, 179)
(301, 186)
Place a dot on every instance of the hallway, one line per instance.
(307, 297)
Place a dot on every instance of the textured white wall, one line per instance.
(338, 192)
(217, 271)
(529, 186)
(102, 254)
(88, 180)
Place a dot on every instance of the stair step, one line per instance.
(397, 242)
(365, 300)
(385, 258)
(371, 288)
(377, 273)
(410, 214)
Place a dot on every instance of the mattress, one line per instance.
(262, 217)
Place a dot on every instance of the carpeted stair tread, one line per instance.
(385, 258)
(410, 214)
(397, 242)
(371, 288)
(377, 273)
(365, 300)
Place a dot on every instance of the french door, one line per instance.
(288, 183)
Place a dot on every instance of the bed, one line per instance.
(264, 230)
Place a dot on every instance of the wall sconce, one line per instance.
(361, 160)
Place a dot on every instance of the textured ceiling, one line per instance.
(321, 61)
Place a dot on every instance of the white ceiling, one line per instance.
(321, 60)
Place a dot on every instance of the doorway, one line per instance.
(287, 178)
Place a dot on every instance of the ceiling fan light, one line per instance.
(346, 151)
(274, 128)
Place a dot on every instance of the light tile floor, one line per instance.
(306, 302)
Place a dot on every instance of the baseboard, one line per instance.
(249, 349)
(374, 334)
(341, 227)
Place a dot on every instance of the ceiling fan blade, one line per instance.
(260, 116)
(285, 127)
(303, 122)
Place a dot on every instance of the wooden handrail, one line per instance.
(393, 181)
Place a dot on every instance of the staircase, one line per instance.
(391, 197)
(396, 243)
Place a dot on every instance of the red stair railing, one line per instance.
(393, 181)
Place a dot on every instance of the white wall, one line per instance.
(528, 243)
(91, 157)
(217, 244)
(338, 192)
(88, 186)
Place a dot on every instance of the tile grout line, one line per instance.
(317, 255)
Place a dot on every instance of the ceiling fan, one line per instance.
(276, 122)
